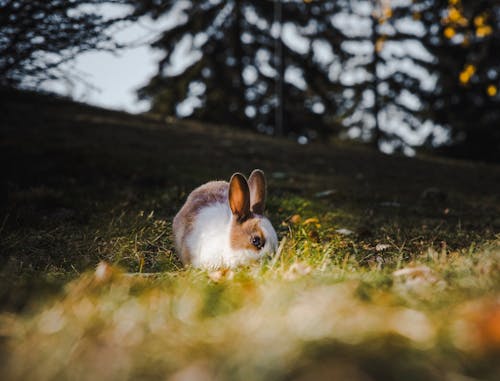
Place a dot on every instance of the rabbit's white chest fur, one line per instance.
(208, 241)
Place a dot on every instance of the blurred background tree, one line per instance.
(389, 72)
(465, 43)
(37, 36)
(401, 74)
(239, 62)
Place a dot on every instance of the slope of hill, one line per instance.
(388, 267)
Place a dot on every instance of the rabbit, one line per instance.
(221, 224)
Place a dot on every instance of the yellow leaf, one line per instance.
(220, 275)
(449, 32)
(454, 14)
(467, 73)
(479, 20)
(464, 77)
(492, 90)
(484, 31)
(312, 220)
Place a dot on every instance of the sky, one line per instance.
(114, 79)
(111, 79)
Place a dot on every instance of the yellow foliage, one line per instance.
(379, 45)
(484, 31)
(492, 90)
(464, 78)
(470, 69)
(449, 32)
(417, 16)
(479, 20)
(384, 12)
(455, 17)
(454, 14)
(467, 73)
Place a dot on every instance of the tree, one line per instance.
(232, 70)
(37, 36)
(236, 64)
(389, 74)
(466, 99)
(432, 69)
(400, 74)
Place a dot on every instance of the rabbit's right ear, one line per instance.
(239, 196)
(257, 185)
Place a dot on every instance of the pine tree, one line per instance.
(234, 70)
(392, 70)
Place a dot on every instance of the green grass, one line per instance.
(392, 273)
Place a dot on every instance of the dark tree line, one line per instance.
(400, 74)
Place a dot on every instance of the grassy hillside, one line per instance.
(388, 266)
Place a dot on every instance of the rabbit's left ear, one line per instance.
(257, 185)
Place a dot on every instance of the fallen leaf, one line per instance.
(220, 275)
(295, 219)
(312, 220)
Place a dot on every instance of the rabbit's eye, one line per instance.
(257, 242)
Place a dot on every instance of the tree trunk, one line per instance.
(280, 71)
(377, 134)
(238, 55)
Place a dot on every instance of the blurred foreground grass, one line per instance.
(388, 268)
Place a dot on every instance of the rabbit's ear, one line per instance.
(257, 185)
(239, 196)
